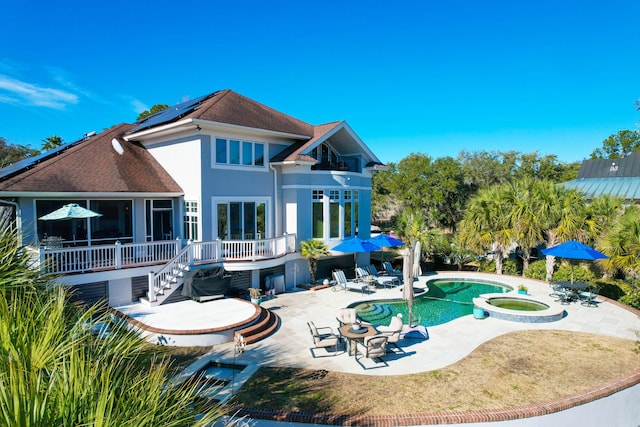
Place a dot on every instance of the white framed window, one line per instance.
(190, 220)
(317, 214)
(241, 219)
(234, 152)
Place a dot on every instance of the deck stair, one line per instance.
(169, 284)
(265, 325)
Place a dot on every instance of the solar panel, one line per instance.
(30, 161)
(170, 114)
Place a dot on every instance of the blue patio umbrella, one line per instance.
(574, 250)
(356, 245)
(385, 240)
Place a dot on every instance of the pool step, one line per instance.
(375, 312)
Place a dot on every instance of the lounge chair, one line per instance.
(362, 274)
(341, 280)
(588, 297)
(393, 331)
(388, 268)
(325, 339)
(374, 348)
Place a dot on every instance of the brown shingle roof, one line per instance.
(94, 166)
(227, 106)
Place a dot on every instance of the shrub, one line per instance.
(580, 274)
(537, 270)
(487, 266)
(510, 266)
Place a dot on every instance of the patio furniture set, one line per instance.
(362, 340)
(568, 292)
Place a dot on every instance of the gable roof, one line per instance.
(294, 151)
(628, 166)
(93, 165)
(229, 107)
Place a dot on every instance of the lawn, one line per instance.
(511, 370)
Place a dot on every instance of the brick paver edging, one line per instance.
(451, 417)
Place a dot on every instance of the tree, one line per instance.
(622, 244)
(56, 370)
(312, 250)
(482, 169)
(436, 189)
(485, 226)
(9, 154)
(52, 142)
(384, 204)
(153, 110)
(619, 145)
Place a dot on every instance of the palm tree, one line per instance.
(524, 216)
(622, 244)
(56, 369)
(313, 249)
(485, 226)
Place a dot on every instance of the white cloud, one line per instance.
(31, 94)
(138, 106)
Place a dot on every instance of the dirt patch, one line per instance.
(512, 370)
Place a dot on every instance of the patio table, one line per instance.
(347, 331)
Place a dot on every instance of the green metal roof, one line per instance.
(626, 187)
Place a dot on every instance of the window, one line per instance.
(317, 214)
(334, 214)
(348, 212)
(241, 220)
(240, 153)
(191, 220)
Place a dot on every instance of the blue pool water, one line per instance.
(445, 301)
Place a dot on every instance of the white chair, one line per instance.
(393, 331)
(347, 316)
(374, 348)
(326, 339)
(341, 280)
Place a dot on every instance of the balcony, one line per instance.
(338, 163)
(70, 260)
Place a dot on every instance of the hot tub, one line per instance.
(518, 308)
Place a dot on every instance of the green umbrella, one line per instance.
(70, 211)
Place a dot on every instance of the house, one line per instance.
(614, 177)
(217, 181)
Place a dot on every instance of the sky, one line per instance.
(433, 77)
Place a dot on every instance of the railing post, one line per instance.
(218, 254)
(118, 255)
(152, 289)
(190, 252)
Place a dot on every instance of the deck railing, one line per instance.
(117, 256)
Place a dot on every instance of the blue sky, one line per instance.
(434, 77)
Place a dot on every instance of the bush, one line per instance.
(510, 266)
(580, 274)
(487, 266)
(537, 270)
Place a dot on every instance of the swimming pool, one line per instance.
(445, 301)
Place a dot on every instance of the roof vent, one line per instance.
(117, 146)
(89, 134)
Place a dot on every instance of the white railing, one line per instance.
(106, 257)
(117, 256)
(167, 274)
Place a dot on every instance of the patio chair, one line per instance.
(325, 339)
(362, 274)
(374, 348)
(393, 331)
(388, 268)
(341, 280)
(346, 316)
(588, 298)
(560, 293)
